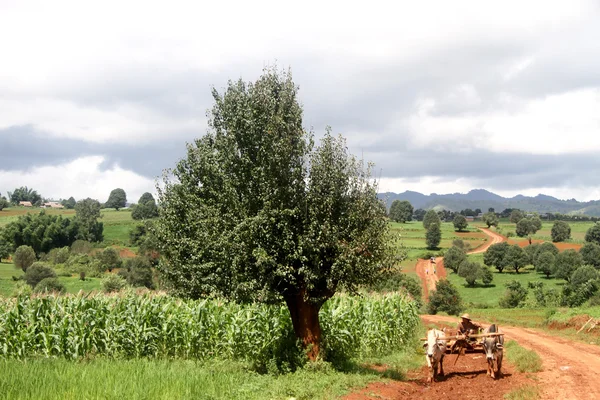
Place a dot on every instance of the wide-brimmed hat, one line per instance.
(466, 316)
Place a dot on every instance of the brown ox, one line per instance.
(436, 349)
(493, 347)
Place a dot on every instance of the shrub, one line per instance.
(397, 281)
(566, 263)
(514, 295)
(445, 298)
(469, 270)
(583, 275)
(59, 256)
(21, 289)
(24, 257)
(138, 272)
(81, 247)
(109, 259)
(593, 234)
(590, 252)
(486, 275)
(38, 272)
(113, 283)
(49, 285)
(461, 244)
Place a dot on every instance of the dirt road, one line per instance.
(430, 272)
(570, 368)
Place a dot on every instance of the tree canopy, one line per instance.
(528, 227)
(454, 257)
(561, 231)
(87, 213)
(145, 208)
(401, 211)
(515, 258)
(490, 218)
(431, 216)
(255, 212)
(566, 263)
(494, 255)
(592, 234)
(460, 223)
(117, 199)
(25, 194)
(516, 216)
(433, 236)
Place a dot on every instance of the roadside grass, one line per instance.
(523, 359)
(480, 296)
(527, 392)
(169, 379)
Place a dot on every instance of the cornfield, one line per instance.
(136, 326)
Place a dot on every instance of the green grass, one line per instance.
(524, 360)
(151, 379)
(527, 392)
(117, 225)
(489, 296)
(578, 230)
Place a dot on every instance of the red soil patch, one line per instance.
(126, 253)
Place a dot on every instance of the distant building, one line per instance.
(52, 204)
(470, 219)
(25, 204)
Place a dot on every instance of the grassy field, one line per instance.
(175, 379)
(578, 230)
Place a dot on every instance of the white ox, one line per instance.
(493, 347)
(436, 349)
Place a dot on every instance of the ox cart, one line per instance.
(439, 343)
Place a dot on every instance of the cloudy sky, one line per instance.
(442, 96)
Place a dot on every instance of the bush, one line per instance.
(461, 244)
(486, 275)
(59, 256)
(113, 283)
(397, 281)
(24, 257)
(81, 247)
(49, 285)
(445, 298)
(590, 252)
(109, 259)
(138, 272)
(21, 289)
(38, 272)
(583, 275)
(514, 295)
(566, 263)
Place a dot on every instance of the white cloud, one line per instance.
(80, 178)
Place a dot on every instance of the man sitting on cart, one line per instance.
(466, 326)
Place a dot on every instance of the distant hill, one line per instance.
(483, 199)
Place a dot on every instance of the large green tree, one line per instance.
(454, 257)
(87, 213)
(566, 263)
(431, 217)
(256, 213)
(561, 231)
(460, 223)
(590, 252)
(24, 257)
(516, 216)
(528, 227)
(494, 255)
(470, 270)
(117, 199)
(491, 219)
(515, 258)
(433, 236)
(25, 194)
(545, 263)
(592, 234)
(401, 211)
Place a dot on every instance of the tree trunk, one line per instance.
(305, 318)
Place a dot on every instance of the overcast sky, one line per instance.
(443, 96)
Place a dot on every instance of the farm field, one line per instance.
(578, 230)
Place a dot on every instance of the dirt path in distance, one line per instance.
(429, 276)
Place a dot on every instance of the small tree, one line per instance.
(514, 295)
(87, 213)
(548, 247)
(561, 231)
(401, 211)
(113, 283)
(454, 257)
(566, 263)
(109, 259)
(36, 272)
(137, 272)
(532, 252)
(545, 263)
(583, 275)
(516, 216)
(469, 270)
(590, 253)
(145, 208)
(528, 227)
(5, 249)
(460, 223)
(445, 298)
(593, 234)
(433, 236)
(23, 258)
(48, 285)
(486, 275)
(431, 217)
(515, 258)
(494, 256)
(117, 199)
(491, 219)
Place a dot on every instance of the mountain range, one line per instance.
(483, 199)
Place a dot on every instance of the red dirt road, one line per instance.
(429, 276)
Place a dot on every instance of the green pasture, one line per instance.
(72, 283)
(578, 230)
